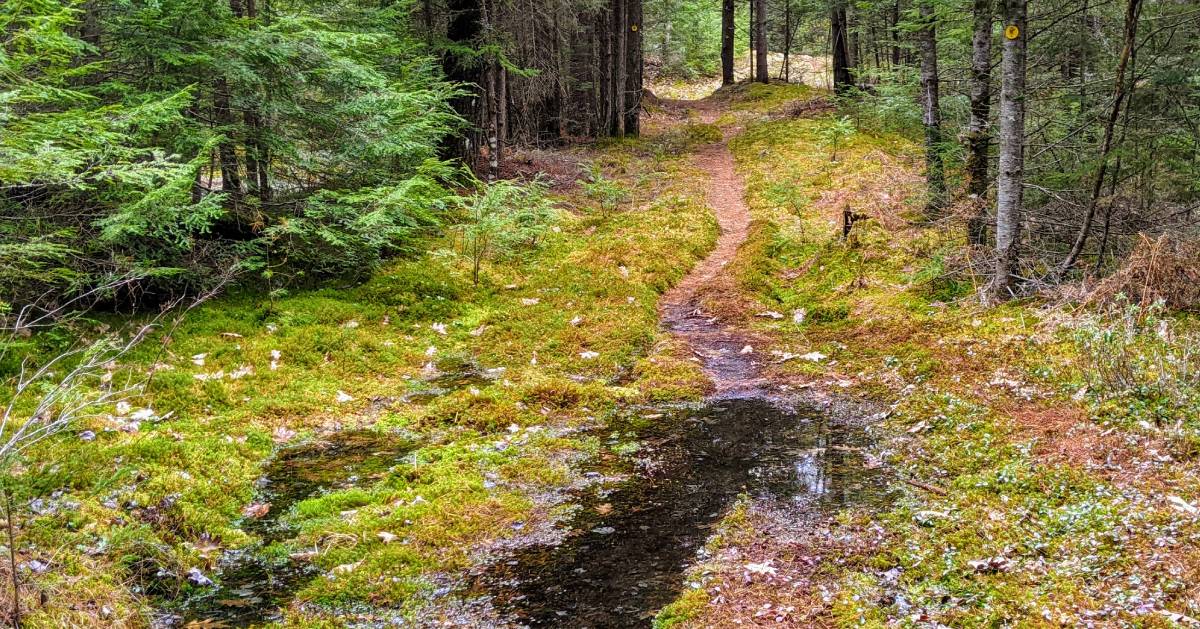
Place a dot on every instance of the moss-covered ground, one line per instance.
(563, 332)
(1025, 499)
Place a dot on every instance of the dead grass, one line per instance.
(1165, 269)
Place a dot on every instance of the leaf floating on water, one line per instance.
(256, 510)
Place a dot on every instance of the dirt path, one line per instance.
(711, 335)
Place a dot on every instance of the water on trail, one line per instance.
(253, 583)
(627, 548)
(629, 545)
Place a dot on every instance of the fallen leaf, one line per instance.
(386, 537)
(197, 578)
(1183, 505)
(282, 434)
(347, 568)
(256, 510)
(343, 397)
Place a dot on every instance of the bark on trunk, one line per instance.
(728, 31)
(842, 80)
(935, 176)
(895, 28)
(622, 54)
(760, 40)
(464, 29)
(978, 138)
(1010, 179)
(231, 179)
(634, 65)
(750, 37)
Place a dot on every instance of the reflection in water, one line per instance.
(628, 547)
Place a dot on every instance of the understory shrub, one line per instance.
(502, 219)
(1142, 366)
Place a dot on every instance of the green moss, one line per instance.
(557, 326)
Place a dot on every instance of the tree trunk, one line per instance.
(935, 175)
(750, 36)
(1010, 178)
(978, 137)
(895, 34)
(634, 56)
(621, 26)
(464, 29)
(760, 39)
(842, 80)
(728, 32)
(1132, 12)
(608, 96)
(787, 41)
(231, 178)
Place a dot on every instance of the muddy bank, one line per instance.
(629, 544)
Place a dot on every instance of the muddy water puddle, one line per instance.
(629, 544)
(252, 584)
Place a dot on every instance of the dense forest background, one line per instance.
(159, 148)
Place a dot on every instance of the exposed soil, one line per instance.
(716, 341)
(629, 545)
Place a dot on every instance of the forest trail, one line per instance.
(715, 341)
